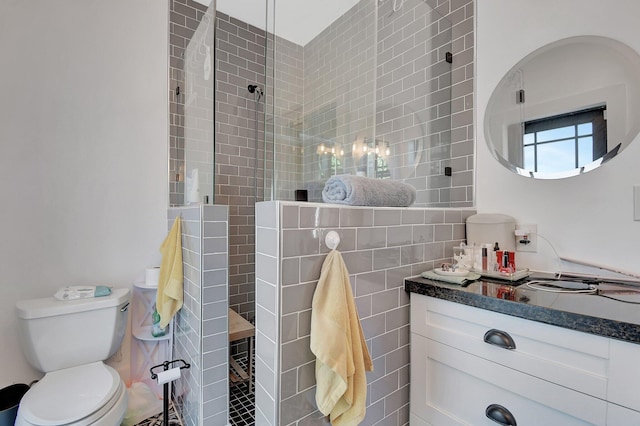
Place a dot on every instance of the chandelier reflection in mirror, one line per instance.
(368, 157)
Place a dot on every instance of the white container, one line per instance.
(485, 228)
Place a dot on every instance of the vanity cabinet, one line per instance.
(469, 364)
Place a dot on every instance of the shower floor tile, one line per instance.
(242, 402)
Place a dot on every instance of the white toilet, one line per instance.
(68, 340)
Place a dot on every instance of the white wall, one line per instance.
(588, 217)
(83, 150)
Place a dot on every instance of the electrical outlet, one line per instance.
(526, 236)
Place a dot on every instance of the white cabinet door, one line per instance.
(453, 387)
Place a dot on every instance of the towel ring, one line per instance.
(332, 240)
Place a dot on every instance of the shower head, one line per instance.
(252, 88)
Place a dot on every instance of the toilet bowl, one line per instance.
(91, 394)
(68, 340)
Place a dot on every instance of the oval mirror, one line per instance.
(566, 108)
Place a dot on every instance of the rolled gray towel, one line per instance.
(363, 191)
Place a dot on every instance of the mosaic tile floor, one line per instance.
(242, 402)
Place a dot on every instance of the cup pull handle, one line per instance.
(500, 415)
(499, 338)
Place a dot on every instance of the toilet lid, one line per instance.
(68, 395)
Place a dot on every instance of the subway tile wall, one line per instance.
(201, 326)
(239, 151)
(285, 96)
(384, 83)
(339, 96)
(380, 246)
(239, 165)
(197, 94)
(424, 102)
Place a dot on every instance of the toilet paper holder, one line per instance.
(165, 367)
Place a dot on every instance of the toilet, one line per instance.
(69, 340)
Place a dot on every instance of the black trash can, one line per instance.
(9, 401)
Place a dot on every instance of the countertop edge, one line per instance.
(584, 323)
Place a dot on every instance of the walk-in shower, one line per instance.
(275, 98)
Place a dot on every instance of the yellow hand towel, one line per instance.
(170, 284)
(337, 341)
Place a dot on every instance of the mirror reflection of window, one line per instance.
(566, 141)
(563, 77)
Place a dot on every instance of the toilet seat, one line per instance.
(76, 396)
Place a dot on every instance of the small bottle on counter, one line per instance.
(484, 258)
(496, 257)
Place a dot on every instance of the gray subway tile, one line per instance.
(290, 271)
(358, 261)
(300, 242)
(386, 258)
(413, 216)
(267, 241)
(386, 217)
(289, 327)
(412, 254)
(399, 235)
(296, 353)
(289, 217)
(266, 214)
(319, 217)
(369, 238)
(383, 387)
(298, 297)
(356, 217)
(368, 283)
(310, 267)
(443, 232)
(384, 301)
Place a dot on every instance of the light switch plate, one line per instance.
(636, 202)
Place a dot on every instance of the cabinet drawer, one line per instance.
(453, 387)
(565, 357)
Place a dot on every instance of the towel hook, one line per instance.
(332, 240)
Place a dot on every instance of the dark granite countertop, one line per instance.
(613, 311)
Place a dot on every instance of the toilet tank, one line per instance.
(56, 334)
(492, 228)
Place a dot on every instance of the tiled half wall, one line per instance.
(201, 326)
(381, 246)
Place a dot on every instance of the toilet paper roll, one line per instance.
(151, 276)
(168, 376)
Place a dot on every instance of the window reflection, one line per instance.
(564, 142)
